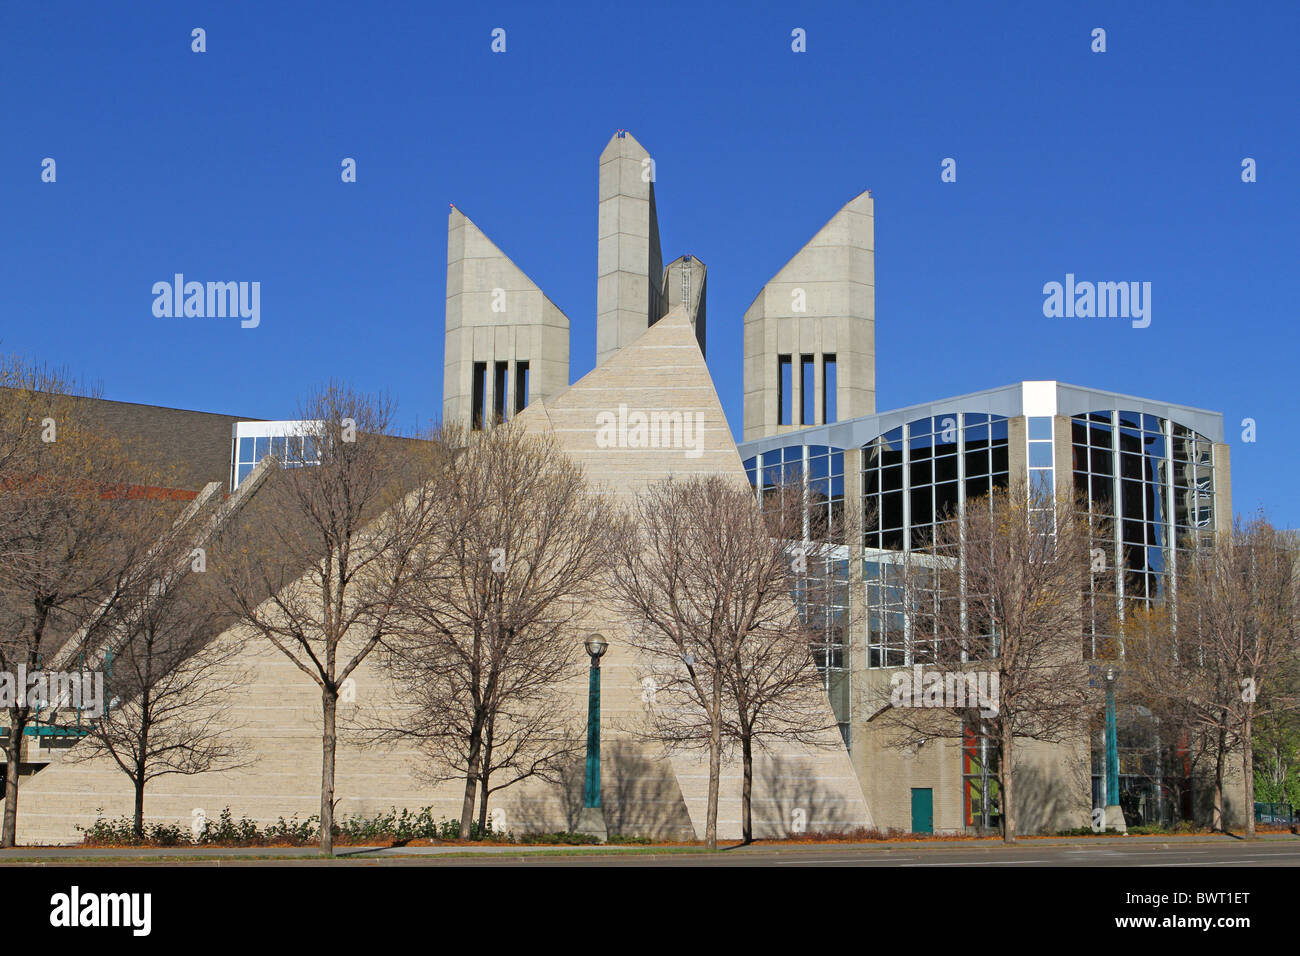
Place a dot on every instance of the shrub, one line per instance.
(225, 831)
(392, 826)
(404, 826)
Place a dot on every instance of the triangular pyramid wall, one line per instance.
(644, 790)
(664, 371)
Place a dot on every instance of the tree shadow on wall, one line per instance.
(639, 794)
(1046, 802)
(788, 799)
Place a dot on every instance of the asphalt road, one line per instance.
(1141, 855)
(1115, 852)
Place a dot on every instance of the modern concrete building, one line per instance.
(507, 345)
(809, 406)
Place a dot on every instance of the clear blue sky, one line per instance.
(225, 166)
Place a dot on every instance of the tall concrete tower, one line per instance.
(506, 343)
(810, 335)
(629, 264)
(633, 289)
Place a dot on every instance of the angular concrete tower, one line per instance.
(684, 285)
(507, 344)
(814, 323)
(629, 263)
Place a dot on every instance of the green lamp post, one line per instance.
(592, 819)
(1114, 812)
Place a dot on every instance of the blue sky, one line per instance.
(1123, 165)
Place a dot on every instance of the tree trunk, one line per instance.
(483, 808)
(747, 788)
(715, 769)
(1248, 771)
(139, 778)
(485, 762)
(471, 779)
(137, 828)
(13, 753)
(1008, 805)
(329, 740)
(1216, 816)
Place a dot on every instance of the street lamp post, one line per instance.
(1114, 812)
(592, 818)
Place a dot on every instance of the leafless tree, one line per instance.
(75, 533)
(493, 616)
(992, 606)
(1237, 634)
(775, 686)
(707, 580)
(320, 579)
(1187, 696)
(170, 681)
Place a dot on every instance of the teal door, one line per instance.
(922, 810)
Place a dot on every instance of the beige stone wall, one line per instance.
(1052, 780)
(890, 769)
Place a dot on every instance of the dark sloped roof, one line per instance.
(194, 446)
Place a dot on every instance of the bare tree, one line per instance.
(73, 535)
(707, 579)
(775, 686)
(171, 682)
(347, 507)
(1237, 631)
(1163, 672)
(992, 603)
(493, 616)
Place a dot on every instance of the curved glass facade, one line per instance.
(822, 595)
(917, 475)
(824, 466)
(1150, 478)
(1150, 485)
(1153, 480)
(914, 478)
